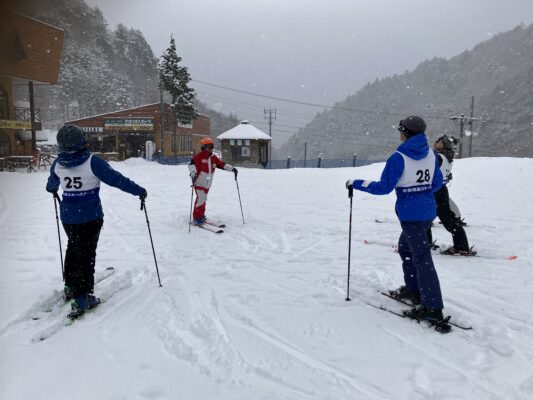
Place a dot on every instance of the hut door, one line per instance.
(263, 154)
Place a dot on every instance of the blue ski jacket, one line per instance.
(415, 205)
(81, 206)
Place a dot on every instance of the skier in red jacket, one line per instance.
(202, 169)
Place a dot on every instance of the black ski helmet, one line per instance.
(70, 138)
(449, 146)
(412, 125)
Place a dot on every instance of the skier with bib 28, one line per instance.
(201, 170)
(413, 171)
(79, 173)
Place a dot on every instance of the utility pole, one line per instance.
(32, 119)
(270, 118)
(161, 120)
(470, 125)
(462, 120)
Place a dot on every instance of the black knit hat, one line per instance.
(412, 125)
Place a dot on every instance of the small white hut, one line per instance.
(245, 145)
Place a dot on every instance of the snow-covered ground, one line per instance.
(259, 312)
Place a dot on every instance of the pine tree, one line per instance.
(175, 80)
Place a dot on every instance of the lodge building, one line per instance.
(123, 134)
(30, 52)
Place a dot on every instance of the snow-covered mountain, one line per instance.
(496, 72)
(259, 312)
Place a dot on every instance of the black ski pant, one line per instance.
(450, 221)
(81, 256)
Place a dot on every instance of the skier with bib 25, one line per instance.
(201, 170)
(79, 173)
(413, 171)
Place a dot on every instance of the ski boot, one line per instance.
(451, 251)
(81, 304)
(407, 295)
(199, 221)
(432, 316)
(67, 294)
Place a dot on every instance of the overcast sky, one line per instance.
(307, 50)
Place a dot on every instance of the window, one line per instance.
(5, 146)
(247, 142)
(189, 125)
(239, 142)
(245, 151)
(232, 142)
(4, 109)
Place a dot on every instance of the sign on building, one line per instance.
(129, 124)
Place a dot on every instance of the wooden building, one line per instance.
(123, 134)
(245, 145)
(30, 51)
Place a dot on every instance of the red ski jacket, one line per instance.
(203, 164)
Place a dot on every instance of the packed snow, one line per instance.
(259, 311)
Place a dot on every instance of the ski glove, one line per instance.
(349, 184)
(143, 195)
(50, 190)
(234, 170)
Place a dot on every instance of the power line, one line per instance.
(323, 106)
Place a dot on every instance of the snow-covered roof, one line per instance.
(244, 130)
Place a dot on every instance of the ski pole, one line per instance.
(239, 193)
(350, 195)
(56, 200)
(190, 214)
(143, 206)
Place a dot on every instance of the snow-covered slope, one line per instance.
(259, 312)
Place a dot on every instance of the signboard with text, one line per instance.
(129, 124)
(12, 124)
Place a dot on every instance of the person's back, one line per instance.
(79, 174)
(414, 173)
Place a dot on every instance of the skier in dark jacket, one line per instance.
(451, 222)
(79, 173)
(413, 171)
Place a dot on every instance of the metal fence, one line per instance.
(285, 164)
(317, 163)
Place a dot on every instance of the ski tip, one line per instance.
(110, 268)
(365, 241)
(511, 258)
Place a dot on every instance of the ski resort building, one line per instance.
(245, 145)
(127, 133)
(30, 53)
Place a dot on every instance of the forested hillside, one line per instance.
(498, 73)
(103, 69)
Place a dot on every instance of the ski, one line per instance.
(215, 223)
(66, 320)
(394, 248)
(210, 228)
(442, 326)
(390, 221)
(386, 221)
(409, 304)
(391, 245)
(58, 298)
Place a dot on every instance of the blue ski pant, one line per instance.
(418, 269)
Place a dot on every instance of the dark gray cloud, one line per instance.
(307, 50)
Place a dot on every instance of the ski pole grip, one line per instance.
(142, 205)
(350, 192)
(56, 196)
